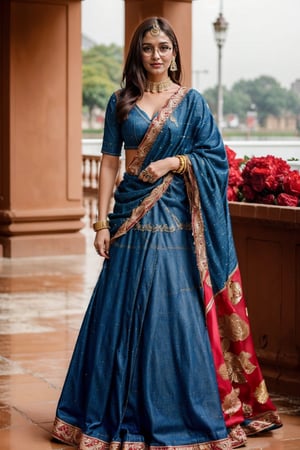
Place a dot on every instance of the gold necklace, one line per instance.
(157, 86)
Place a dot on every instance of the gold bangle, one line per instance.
(182, 165)
(101, 225)
(181, 168)
(183, 160)
(185, 164)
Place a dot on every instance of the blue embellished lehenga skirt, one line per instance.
(142, 372)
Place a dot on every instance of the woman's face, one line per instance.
(157, 54)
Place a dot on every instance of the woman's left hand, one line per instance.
(158, 169)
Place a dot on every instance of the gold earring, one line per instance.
(173, 65)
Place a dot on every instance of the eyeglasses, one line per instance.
(162, 50)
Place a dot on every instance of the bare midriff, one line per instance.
(130, 154)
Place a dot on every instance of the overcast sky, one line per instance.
(263, 37)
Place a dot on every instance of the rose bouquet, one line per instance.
(266, 179)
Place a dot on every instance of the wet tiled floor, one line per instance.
(42, 301)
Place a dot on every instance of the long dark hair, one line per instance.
(134, 74)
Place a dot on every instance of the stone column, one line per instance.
(179, 14)
(40, 128)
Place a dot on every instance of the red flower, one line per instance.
(287, 200)
(268, 199)
(259, 177)
(232, 194)
(235, 177)
(233, 161)
(266, 172)
(248, 193)
(292, 183)
(267, 179)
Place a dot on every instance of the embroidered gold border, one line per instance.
(70, 434)
(198, 231)
(263, 422)
(154, 129)
(139, 212)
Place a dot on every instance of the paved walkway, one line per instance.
(42, 301)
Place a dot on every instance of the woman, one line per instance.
(164, 357)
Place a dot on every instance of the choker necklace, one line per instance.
(157, 86)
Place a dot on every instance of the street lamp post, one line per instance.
(220, 30)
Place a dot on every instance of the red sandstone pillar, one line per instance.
(40, 128)
(179, 14)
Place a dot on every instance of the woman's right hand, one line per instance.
(102, 242)
(159, 168)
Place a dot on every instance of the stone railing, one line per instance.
(90, 172)
(90, 175)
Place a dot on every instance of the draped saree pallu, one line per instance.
(164, 358)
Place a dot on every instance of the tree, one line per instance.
(234, 102)
(101, 75)
(265, 92)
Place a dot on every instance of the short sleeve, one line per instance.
(112, 138)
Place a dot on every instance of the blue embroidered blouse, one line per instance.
(130, 132)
